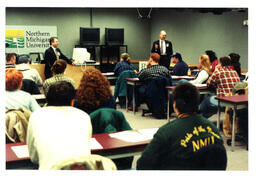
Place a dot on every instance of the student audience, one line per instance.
(10, 60)
(224, 79)
(16, 98)
(58, 131)
(177, 144)
(58, 70)
(180, 68)
(124, 64)
(205, 70)
(94, 92)
(213, 59)
(28, 72)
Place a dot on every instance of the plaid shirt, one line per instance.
(153, 72)
(122, 66)
(224, 79)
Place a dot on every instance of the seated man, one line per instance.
(10, 60)
(28, 72)
(58, 131)
(180, 68)
(152, 71)
(224, 78)
(175, 145)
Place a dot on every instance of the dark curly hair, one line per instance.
(94, 90)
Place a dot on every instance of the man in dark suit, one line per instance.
(163, 48)
(51, 55)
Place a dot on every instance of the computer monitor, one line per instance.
(89, 36)
(114, 36)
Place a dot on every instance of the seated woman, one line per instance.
(205, 70)
(16, 98)
(213, 59)
(58, 70)
(235, 64)
(124, 64)
(94, 92)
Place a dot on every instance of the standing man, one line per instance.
(163, 48)
(51, 55)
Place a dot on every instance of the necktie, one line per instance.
(162, 48)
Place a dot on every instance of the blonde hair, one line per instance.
(126, 57)
(205, 63)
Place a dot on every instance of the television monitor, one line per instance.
(114, 36)
(89, 36)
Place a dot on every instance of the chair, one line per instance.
(121, 87)
(88, 162)
(156, 97)
(30, 87)
(106, 120)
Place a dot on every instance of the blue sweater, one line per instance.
(180, 69)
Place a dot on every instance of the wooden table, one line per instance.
(236, 102)
(112, 148)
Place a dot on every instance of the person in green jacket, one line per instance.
(188, 142)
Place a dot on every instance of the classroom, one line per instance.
(32, 31)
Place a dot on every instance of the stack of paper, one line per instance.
(20, 151)
(130, 136)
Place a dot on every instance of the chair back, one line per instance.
(88, 162)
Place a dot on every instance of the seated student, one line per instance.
(10, 60)
(152, 71)
(16, 98)
(205, 70)
(175, 145)
(58, 70)
(28, 72)
(180, 68)
(124, 64)
(94, 92)
(235, 64)
(224, 79)
(58, 131)
(213, 59)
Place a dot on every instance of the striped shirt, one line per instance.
(55, 79)
(154, 71)
(224, 79)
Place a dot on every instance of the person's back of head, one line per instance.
(60, 94)
(24, 60)
(10, 58)
(205, 63)
(125, 57)
(211, 55)
(234, 57)
(155, 57)
(225, 61)
(59, 66)
(13, 79)
(186, 97)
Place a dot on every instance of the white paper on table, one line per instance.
(200, 85)
(129, 136)
(174, 76)
(39, 96)
(95, 144)
(148, 132)
(20, 151)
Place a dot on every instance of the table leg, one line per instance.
(168, 107)
(218, 118)
(134, 99)
(233, 129)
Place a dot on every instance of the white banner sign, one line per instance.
(27, 39)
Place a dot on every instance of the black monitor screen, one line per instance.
(89, 35)
(114, 36)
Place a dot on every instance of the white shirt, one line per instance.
(164, 48)
(56, 133)
(30, 73)
(202, 76)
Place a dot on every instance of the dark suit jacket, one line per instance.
(156, 47)
(50, 58)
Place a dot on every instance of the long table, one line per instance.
(236, 102)
(112, 147)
